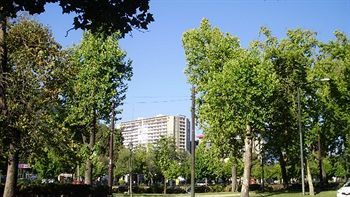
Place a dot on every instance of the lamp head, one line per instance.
(325, 79)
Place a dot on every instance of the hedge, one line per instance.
(53, 190)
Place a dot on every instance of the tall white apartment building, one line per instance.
(145, 131)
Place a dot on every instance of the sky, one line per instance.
(159, 85)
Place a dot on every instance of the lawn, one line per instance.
(227, 194)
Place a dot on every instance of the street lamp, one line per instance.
(259, 150)
(301, 135)
(193, 144)
(130, 169)
(301, 144)
(111, 139)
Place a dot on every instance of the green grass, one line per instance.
(229, 194)
(290, 194)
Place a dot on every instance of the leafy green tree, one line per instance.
(122, 163)
(145, 163)
(333, 97)
(99, 80)
(272, 171)
(235, 86)
(142, 162)
(293, 58)
(53, 161)
(168, 159)
(210, 163)
(33, 58)
(118, 15)
(151, 169)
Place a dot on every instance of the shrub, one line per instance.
(53, 189)
(216, 188)
(202, 189)
(175, 190)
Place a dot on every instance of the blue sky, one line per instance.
(159, 85)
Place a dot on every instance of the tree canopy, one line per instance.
(104, 16)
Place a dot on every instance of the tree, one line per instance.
(168, 159)
(207, 49)
(118, 15)
(122, 162)
(235, 86)
(293, 58)
(30, 80)
(211, 163)
(100, 79)
(333, 99)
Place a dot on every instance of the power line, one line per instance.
(157, 97)
(159, 101)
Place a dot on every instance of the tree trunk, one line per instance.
(88, 167)
(88, 172)
(12, 169)
(322, 172)
(309, 179)
(164, 189)
(13, 135)
(247, 162)
(283, 170)
(3, 66)
(234, 178)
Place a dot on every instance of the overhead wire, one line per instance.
(158, 101)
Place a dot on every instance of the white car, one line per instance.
(344, 191)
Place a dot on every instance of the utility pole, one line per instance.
(130, 169)
(193, 144)
(262, 173)
(110, 170)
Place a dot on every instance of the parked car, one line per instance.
(344, 191)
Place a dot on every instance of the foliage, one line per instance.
(143, 162)
(259, 86)
(117, 16)
(34, 59)
(169, 159)
(234, 84)
(61, 189)
(211, 164)
(99, 78)
(99, 75)
(334, 96)
(271, 171)
(122, 164)
(235, 87)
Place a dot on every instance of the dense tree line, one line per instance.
(56, 103)
(38, 60)
(247, 95)
(57, 98)
(59, 101)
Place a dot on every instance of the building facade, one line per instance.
(145, 131)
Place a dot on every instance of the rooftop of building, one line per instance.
(153, 117)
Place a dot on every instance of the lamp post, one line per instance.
(130, 169)
(301, 136)
(193, 144)
(301, 143)
(110, 169)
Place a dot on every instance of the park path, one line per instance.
(221, 194)
(218, 194)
